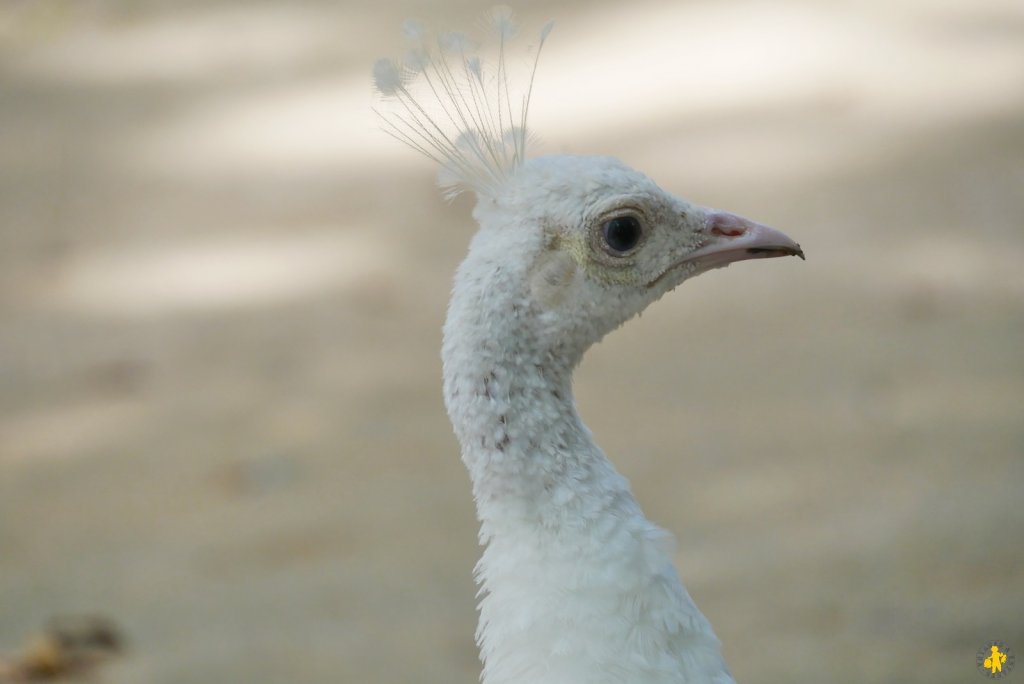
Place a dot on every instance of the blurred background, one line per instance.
(221, 292)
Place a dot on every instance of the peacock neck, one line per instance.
(532, 462)
(577, 585)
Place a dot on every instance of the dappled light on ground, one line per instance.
(154, 280)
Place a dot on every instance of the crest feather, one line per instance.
(457, 107)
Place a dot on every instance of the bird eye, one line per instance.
(621, 234)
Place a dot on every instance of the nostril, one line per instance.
(726, 224)
(732, 231)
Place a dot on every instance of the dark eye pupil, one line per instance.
(622, 233)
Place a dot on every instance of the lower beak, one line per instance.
(734, 238)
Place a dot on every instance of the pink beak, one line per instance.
(734, 238)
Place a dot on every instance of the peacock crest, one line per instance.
(453, 97)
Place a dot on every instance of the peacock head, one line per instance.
(601, 241)
(588, 241)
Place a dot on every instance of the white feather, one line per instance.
(457, 107)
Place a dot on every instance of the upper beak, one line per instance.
(734, 238)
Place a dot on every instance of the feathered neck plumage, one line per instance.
(576, 584)
(509, 397)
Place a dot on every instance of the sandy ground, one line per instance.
(221, 292)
